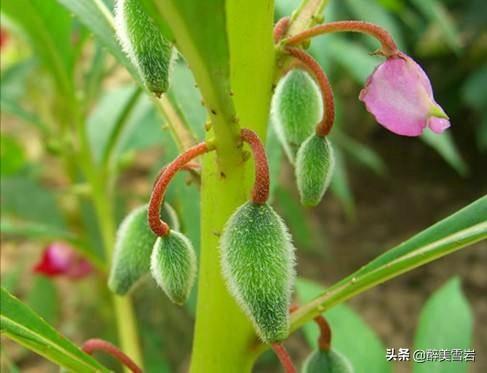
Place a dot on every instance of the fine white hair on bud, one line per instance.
(258, 261)
(133, 247)
(173, 266)
(296, 109)
(315, 163)
(144, 44)
(330, 361)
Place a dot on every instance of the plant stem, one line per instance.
(389, 47)
(92, 345)
(124, 314)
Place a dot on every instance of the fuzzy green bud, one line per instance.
(173, 266)
(296, 109)
(133, 247)
(314, 168)
(144, 44)
(330, 361)
(258, 264)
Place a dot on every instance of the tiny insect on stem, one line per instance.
(324, 340)
(284, 357)
(159, 227)
(260, 192)
(314, 68)
(95, 344)
(389, 47)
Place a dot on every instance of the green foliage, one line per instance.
(296, 109)
(258, 263)
(20, 323)
(461, 229)
(44, 300)
(144, 44)
(47, 27)
(314, 169)
(173, 266)
(95, 16)
(445, 323)
(351, 335)
(327, 362)
(12, 156)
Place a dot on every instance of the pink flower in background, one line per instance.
(59, 259)
(399, 95)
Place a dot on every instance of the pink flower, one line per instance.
(399, 95)
(59, 259)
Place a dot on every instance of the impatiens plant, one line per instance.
(249, 72)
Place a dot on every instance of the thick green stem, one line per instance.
(223, 334)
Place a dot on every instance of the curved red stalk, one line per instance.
(284, 357)
(389, 47)
(326, 123)
(260, 192)
(191, 167)
(159, 227)
(324, 340)
(280, 29)
(92, 345)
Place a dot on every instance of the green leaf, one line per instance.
(107, 123)
(295, 217)
(360, 153)
(24, 198)
(444, 145)
(350, 334)
(371, 11)
(12, 155)
(43, 299)
(459, 230)
(187, 98)
(445, 323)
(274, 153)
(436, 13)
(340, 185)
(97, 18)
(23, 325)
(47, 26)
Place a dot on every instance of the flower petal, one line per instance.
(399, 95)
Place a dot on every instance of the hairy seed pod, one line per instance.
(330, 361)
(258, 264)
(314, 168)
(173, 266)
(296, 109)
(144, 44)
(133, 247)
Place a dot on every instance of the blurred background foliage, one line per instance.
(62, 86)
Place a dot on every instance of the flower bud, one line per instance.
(258, 265)
(133, 247)
(400, 96)
(330, 361)
(296, 109)
(173, 266)
(144, 44)
(314, 168)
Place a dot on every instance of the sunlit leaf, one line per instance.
(23, 325)
(448, 330)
